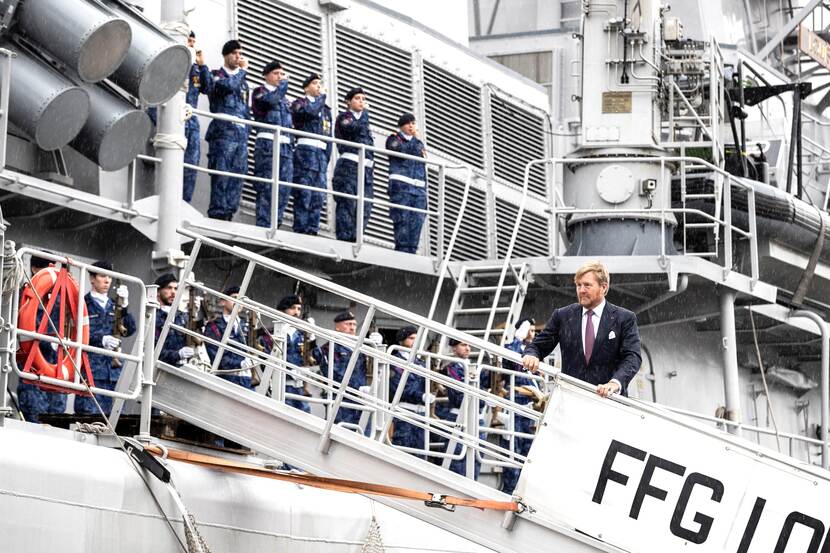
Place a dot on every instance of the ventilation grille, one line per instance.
(300, 56)
(471, 243)
(380, 231)
(383, 71)
(532, 240)
(453, 115)
(518, 137)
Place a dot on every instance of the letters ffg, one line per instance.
(716, 490)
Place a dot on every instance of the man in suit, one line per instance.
(600, 342)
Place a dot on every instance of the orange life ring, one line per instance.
(57, 290)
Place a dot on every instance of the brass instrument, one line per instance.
(254, 343)
(119, 330)
(435, 388)
(200, 359)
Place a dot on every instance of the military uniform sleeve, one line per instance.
(394, 143)
(205, 79)
(212, 331)
(455, 397)
(227, 85)
(630, 356)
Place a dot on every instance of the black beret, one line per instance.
(230, 46)
(453, 342)
(270, 66)
(192, 34)
(164, 280)
(36, 262)
(344, 316)
(231, 290)
(405, 119)
(288, 301)
(106, 265)
(312, 77)
(354, 92)
(405, 333)
(528, 319)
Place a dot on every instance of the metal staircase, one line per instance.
(504, 288)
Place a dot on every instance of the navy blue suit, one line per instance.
(348, 127)
(197, 83)
(616, 353)
(271, 106)
(407, 187)
(101, 322)
(310, 161)
(227, 142)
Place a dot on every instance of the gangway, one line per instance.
(591, 455)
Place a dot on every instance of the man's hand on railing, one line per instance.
(530, 363)
(609, 389)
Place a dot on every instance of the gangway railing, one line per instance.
(73, 346)
(435, 217)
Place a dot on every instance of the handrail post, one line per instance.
(753, 237)
(325, 438)
(727, 223)
(5, 85)
(442, 198)
(361, 194)
(148, 378)
(275, 182)
(472, 425)
(553, 221)
(825, 382)
(7, 342)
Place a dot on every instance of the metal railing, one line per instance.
(722, 203)
(458, 438)
(76, 343)
(436, 218)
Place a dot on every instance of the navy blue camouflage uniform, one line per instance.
(101, 322)
(451, 409)
(175, 340)
(354, 129)
(407, 187)
(510, 476)
(341, 361)
(227, 142)
(310, 161)
(407, 434)
(197, 83)
(271, 106)
(215, 329)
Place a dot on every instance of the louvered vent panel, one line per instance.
(518, 137)
(383, 71)
(453, 115)
(532, 239)
(471, 243)
(379, 231)
(271, 30)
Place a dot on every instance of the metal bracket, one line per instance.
(146, 460)
(439, 501)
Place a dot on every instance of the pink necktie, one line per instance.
(589, 336)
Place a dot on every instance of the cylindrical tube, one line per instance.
(156, 66)
(43, 103)
(87, 37)
(114, 133)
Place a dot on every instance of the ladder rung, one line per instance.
(479, 310)
(487, 268)
(701, 225)
(700, 196)
(483, 289)
(701, 254)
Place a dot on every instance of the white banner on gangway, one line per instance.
(642, 481)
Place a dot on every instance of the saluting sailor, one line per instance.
(311, 156)
(228, 141)
(352, 125)
(407, 184)
(269, 105)
(197, 83)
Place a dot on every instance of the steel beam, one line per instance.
(788, 28)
